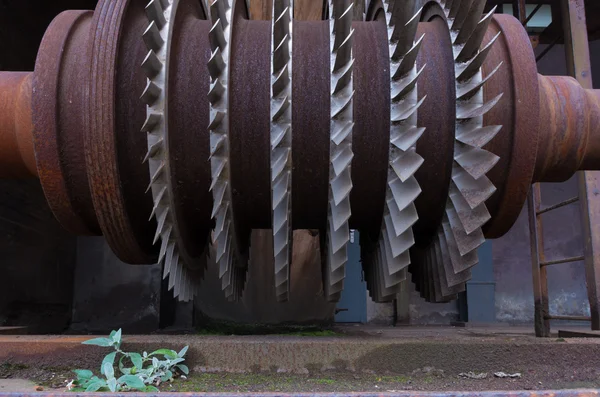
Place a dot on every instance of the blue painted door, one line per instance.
(352, 307)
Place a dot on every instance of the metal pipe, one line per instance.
(558, 205)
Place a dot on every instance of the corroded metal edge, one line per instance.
(224, 235)
(281, 144)
(157, 38)
(340, 147)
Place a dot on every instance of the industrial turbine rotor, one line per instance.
(174, 129)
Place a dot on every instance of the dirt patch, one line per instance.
(47, 377)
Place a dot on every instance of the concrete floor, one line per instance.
(352, 349)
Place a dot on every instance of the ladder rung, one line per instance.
(564, 260)
(568, 318)
(555, 206)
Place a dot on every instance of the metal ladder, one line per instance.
(578, 64)
(540, 264)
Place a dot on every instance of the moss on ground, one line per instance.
(227, 328)
(281, 382)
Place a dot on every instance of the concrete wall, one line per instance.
(38, 261)
(110, 294)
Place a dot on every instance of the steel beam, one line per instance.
(578, 66)
(539, 273)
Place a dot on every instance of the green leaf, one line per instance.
(182, 352)
(167, 376)
(83, 373)
(183, 368)
(78, 389)
(108, 359)
(150, 388)
(155, 362)
(112, 333)
(95, 386)
(168, 353)
(82, 383)
(136, 359)
(117, 338)
(112, 384)
(122, 368)
(104, 342)
(132, 381)
(108, 370)
(177, 361)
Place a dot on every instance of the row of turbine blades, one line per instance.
(340, 148)
(182, 279)
(440, 272)
(387, 258)
(453, 252)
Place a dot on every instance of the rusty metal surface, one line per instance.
(310, 112)
(249, 109)
(370, 136)
(539, 273)
(517, 112)
(16, 129)
(188, 145)
(523, 393)
(114, 156)
(569, 115)
(438, 117)
(58, 121)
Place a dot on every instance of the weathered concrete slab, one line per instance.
(16, 386)
(375, 351)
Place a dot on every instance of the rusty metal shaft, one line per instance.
(569, 129)
(17, 156)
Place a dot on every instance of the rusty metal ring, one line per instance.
(517, 144)
(437, 115)
(188, 146)
(58, 122)
(114, 147)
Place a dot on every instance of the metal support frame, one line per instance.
(578, 66)
(532, 14)
(519, 10)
